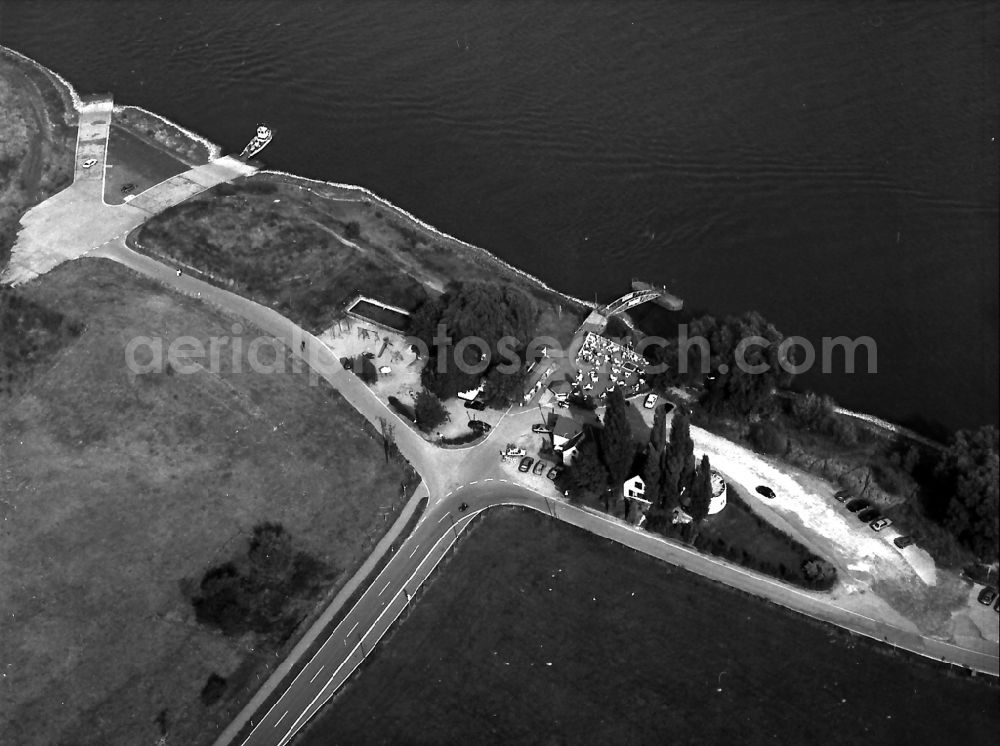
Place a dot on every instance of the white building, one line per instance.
(718, 501)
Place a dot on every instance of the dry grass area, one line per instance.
(36, 144)
(118, 491)
(307, 251)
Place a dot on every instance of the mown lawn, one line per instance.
(119, 490)
(536, 632)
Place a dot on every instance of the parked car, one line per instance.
(880, 523)
(539, 468)
(511, 451)
(996, 605)
(475, 404)
(540, 429)
(987, 596)
(650, 402)
(479, 426)
(554, 472)
(868, 515)
(89, 162)
(903, 541)
(857, 504)
(126, 188)
(562, 404)
(525, 464)
(843, 495)
(766, 492)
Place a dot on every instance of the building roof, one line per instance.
(560, 386)
(565, 427)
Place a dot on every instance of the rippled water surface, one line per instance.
(833, 165)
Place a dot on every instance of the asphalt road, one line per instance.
(475, 476)
(76, 223)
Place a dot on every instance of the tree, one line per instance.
(700, 491)
(223, 601)
(680, 463)
(652, 469)
(587, 476)
(486, 311)
(429, 411)
(731, 387)
(388, 438)
(617, 446)
(504, 388)
(765, 437)
(213, 690)
(365, 369)
(968, 476)
(811, 411)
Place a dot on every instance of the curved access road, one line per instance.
(473, 476)
(76, 223)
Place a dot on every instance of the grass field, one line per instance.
(536, 632)
(118, 490)
(307, 254)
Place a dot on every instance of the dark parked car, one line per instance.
(126, 188)
(479, 426)
(868, 515)
(858, 504)
(987, 596)
(540, 429)
(554, 472)
(903, 541)
(475, 404)
(539, 468)
(766, 492)
(525, 464)
(843, 495)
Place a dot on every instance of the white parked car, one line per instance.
(89, 162)
(650, 402)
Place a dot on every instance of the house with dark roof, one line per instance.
(566, 432)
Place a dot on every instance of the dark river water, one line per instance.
(832, 165)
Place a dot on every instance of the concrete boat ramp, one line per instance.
(76, 220)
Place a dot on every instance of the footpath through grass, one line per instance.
(536, 632)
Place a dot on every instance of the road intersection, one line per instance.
(77, 223)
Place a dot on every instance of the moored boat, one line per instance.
(259, 142)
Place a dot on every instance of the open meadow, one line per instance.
(536, 632)
(119, 490)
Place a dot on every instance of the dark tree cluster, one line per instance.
(428, 411)
(967, 490)
(667, 466)
(490, 312)
(673, 477)
(729, 388)
(255, 593)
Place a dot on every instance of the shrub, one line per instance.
(402, 409)
(429, 412)
(213, 690)
(819, 573)
(765, 437)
